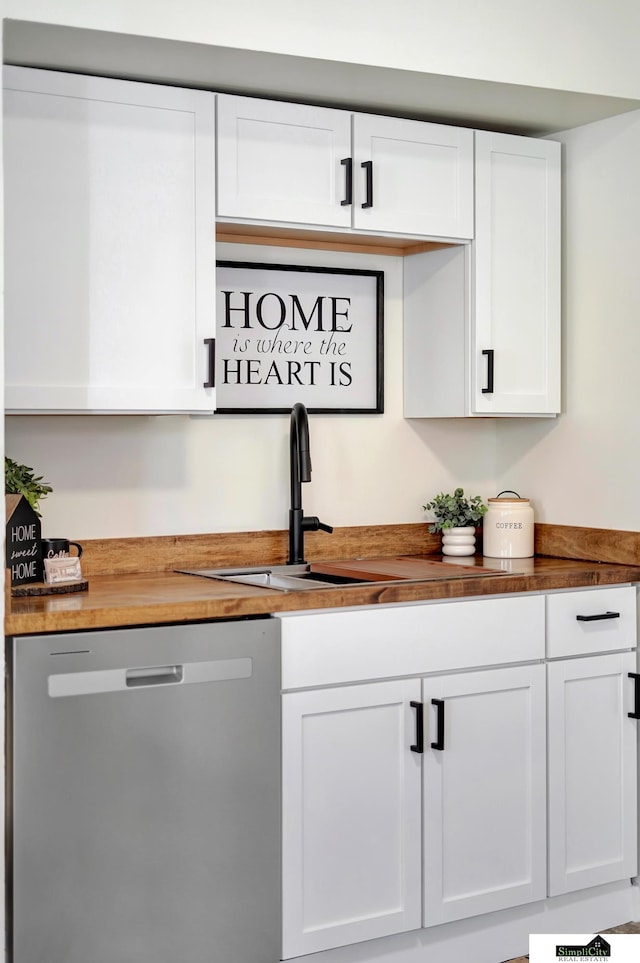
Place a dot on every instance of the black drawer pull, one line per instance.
(347, 163)
(439, 743)
(418, 746)
(211, 382)
(489, 389)
(599, 617)
(636, 688)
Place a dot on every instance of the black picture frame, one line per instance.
(375, 336)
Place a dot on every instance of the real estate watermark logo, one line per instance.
(598, 948)
(581, 948)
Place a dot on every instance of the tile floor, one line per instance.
(625, 928)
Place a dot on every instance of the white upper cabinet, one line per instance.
(412, 178)
(320, 167)
(484, 318)
(283, 162)
(515, 364)
(109, 244)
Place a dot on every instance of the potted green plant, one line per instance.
(456, 516)
(21, 480)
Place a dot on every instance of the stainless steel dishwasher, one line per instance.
(144, 795)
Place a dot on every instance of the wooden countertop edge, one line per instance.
(120, 601)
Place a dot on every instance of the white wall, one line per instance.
(165, 475)
(584, 468)
(136, 476)
(572, 45)
(126, 476)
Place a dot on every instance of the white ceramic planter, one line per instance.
(459, 541)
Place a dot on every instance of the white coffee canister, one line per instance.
(507, 527)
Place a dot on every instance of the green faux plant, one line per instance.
(20, 480)
(455, 511)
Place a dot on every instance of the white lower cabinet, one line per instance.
(354, 758)
(493, 764)
(351, 815)
(592, 772)
(484, 792)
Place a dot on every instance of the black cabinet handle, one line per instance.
(419, 743)
(599, 617)
(347, 163)
(636, 686)
(211, 381)
(439, 743)
(489, 389)
(367, 166)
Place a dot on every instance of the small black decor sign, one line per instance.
(287, 333)
(23, 551)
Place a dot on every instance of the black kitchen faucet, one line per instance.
(300, 471)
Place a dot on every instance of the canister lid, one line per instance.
(507, 491)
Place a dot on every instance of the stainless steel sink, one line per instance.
(285, 578)
(298, 578)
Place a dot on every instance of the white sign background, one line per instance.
(287, 333)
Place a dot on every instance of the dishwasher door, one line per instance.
(144, 795)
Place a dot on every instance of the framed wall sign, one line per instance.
(286, 333)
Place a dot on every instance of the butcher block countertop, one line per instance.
(119, 597)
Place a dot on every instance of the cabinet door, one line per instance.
(283, 162)
(351, 815)
(484, 792)
(109, 244)
(412, 178)
(592, 772)
(515, 349)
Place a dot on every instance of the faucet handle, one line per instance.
(311, 523)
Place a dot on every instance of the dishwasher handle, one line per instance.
(93, 681)
(154, 675)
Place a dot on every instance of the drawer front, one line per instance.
(328, 648)
(591, 620)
